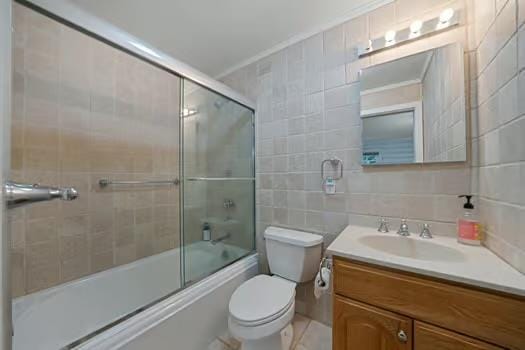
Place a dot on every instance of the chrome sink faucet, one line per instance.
(403, 228)
(383, 225)
(425, 232)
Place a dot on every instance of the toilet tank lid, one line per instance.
(298, 238)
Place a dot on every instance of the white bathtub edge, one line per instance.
(123, 333)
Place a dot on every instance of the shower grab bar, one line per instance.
(220, 178)
(107, 182)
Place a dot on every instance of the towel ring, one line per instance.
(335, 164)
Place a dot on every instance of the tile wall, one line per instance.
(499, 171)
(444, 107)
(82, 111)
(308, 109)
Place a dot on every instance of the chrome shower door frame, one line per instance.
(5, 131)
(67, 13)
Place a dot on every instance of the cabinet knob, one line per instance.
(402, 336)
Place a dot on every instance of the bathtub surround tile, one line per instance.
(74, 127)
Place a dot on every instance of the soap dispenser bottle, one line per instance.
(469, 228)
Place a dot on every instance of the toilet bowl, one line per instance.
(259, 310)
(262, 307)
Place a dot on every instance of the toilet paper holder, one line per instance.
(327, 263)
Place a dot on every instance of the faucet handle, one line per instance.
(425, 232)
(383, 225)
(403, 228)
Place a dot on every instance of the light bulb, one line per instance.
(370, 47)
(446, 15)
(390, 36)
(416, 26)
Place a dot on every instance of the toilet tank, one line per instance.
(294, 255)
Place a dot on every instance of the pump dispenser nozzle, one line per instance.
(467, 205)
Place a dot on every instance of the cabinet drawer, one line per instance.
(491, 317)
(428, 337)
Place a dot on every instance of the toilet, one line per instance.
(263, 306)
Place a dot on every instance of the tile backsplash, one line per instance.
(308, 109)
(84, 110)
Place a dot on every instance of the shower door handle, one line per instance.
(18, 194)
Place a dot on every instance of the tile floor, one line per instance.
(307, 335)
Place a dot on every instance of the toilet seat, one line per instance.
(260, 300)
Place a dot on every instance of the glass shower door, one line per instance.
(219, 181)
(110, 130)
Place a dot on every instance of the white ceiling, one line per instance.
(217, 35)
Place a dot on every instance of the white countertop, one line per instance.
(471, 265)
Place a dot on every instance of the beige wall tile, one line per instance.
(423, 193)
(74, 127)
(382, 20)
(41, 230)
(102, 261)
(485, 13)
(506, 22)
(41, 277)
(74, 268)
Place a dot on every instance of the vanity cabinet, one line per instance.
(363, 327)
(428, 337)
(378, 308)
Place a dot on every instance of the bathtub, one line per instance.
(54, 318)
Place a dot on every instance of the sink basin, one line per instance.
(412, 248)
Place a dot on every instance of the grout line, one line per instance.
(299, 339)
(225, 344)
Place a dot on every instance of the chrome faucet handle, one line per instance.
(403, 228)
(425, 232)
(383, 225)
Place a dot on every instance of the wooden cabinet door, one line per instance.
(427, 337)
(359, 326)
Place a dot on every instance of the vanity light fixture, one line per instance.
(390, 37)
(370, 46)
(446, 20)
(446, 15)
(415, 29)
